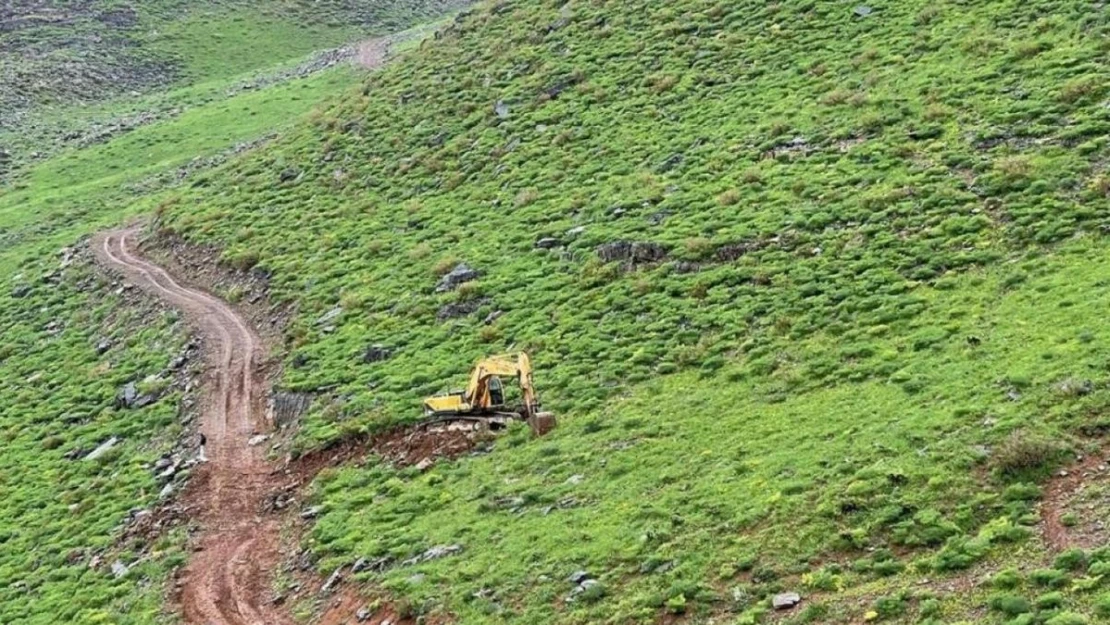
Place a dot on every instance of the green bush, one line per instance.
(1010, 605)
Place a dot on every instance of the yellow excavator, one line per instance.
(484, 399)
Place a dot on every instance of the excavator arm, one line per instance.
(480, 399)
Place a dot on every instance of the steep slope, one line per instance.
(97, 384)
(815, 287)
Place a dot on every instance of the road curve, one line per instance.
(227, 581)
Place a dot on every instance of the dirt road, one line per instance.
(227, 581)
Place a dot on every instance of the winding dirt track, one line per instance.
(227, 580)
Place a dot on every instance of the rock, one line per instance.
(179, 362)
(1075, 387)
(102, 449)
(501, 109)
(360, 565)
(425, 464)
(548, 243)
(333, 580)
(454, 310)
(862, 11)
(376, 353)
(127, 396)
(290, 173)
(631, 252)
(167, 490)
(575, 479)
(21, 291)
(119, 569)
(312, 512)
(363, 615)
(575, 231)
(441, 551)
(286, 407)
(102, 346)
(669, 163)
(786, 600)
(257, 440)
(460, 274)
(330, 316)
(493, 316)
(578, 577)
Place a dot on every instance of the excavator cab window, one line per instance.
(496, 392)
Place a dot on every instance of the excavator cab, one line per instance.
(485, 398)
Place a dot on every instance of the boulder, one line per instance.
(548, 243)
(127, 396)
(21, 291)
(786, 600)
(631, 252)
(102, 448)
(376, 353)
(460, 274)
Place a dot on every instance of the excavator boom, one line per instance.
(484, 395)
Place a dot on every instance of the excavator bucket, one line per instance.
(542, 423)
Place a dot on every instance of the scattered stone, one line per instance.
(167, 490)
(330, 316)
(669, 163)
(786, 600)
(290, 173)
(862, 10)
(21, 291)
(119, 569)
(333, 580)
(360, 565)
(1075, 387)
(425, 464)
(575, 479)
(102, 449)
(376, 353)
(441, 551)
(501, 109)
(548, 243)
(454, 310)
(312, 512)
(631, 252)
(575, 231)
(363, 615)
(127, 396)
(257, 440)
(460, 274)
(493, 316)
(578, 577)
(103, 346)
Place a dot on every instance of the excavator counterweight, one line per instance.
(484, 398)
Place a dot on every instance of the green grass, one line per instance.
(61, 517)
(872, 327)
(712, 477)
(62, 513)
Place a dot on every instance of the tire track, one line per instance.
(227, 580)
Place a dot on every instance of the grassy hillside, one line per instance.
(71, 342)
(815, 289)
(70, 72)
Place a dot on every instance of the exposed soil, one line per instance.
(1078, 490)
(238, 500)
(227, 580)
